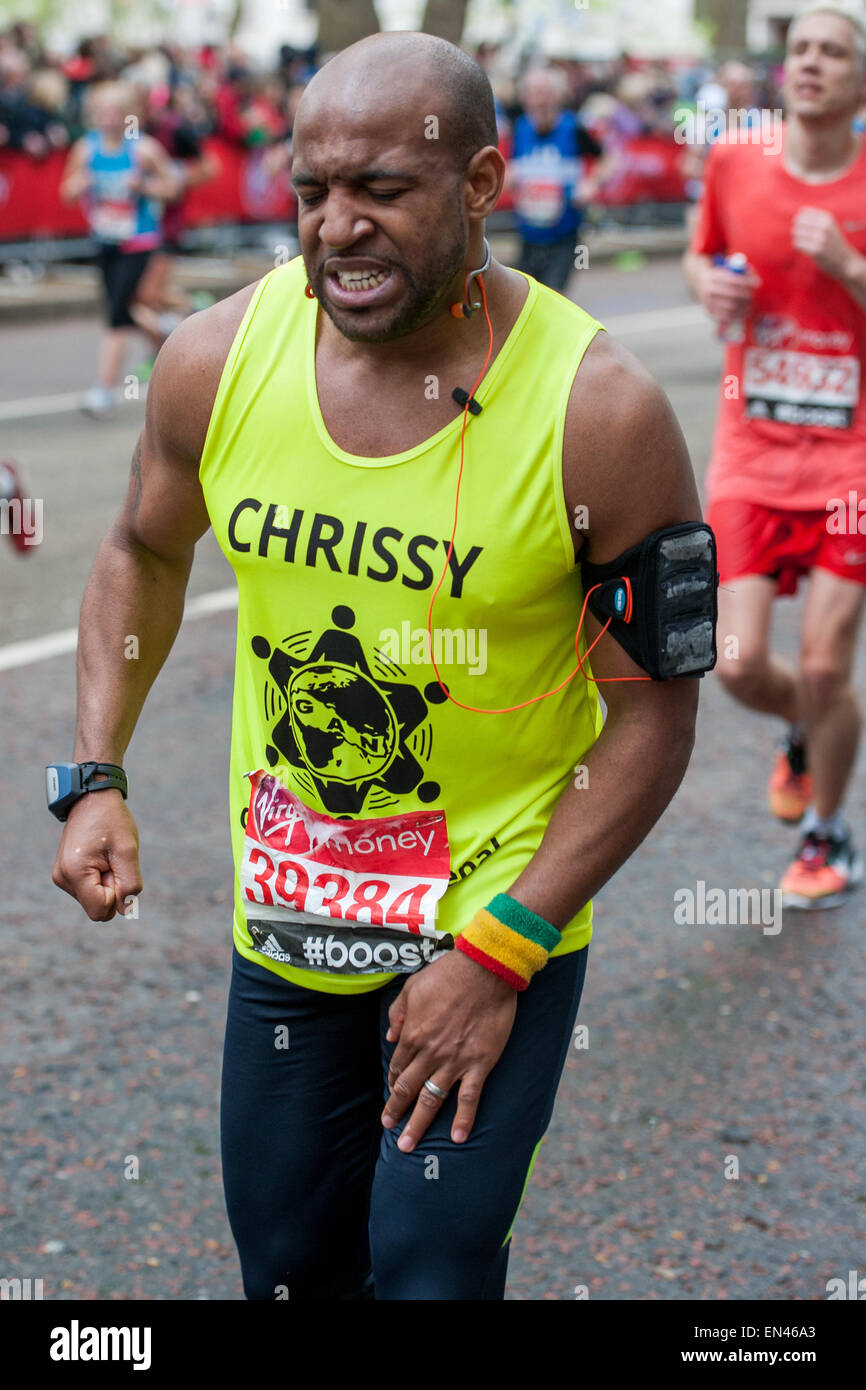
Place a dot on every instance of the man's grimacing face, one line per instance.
(380, 213)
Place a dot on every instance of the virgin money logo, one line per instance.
(776, 331)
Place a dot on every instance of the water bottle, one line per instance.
(736, 329)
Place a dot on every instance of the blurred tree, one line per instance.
(445, 18)
(342, 22)
(235, 18)
(728, 19)
(118, 20)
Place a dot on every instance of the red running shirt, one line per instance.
(791, 428)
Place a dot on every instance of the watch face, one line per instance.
(63, 787)
(52, 784)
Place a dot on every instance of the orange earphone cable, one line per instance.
(509, 709)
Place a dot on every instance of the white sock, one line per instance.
(835, 826)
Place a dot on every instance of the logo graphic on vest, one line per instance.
(350, 727)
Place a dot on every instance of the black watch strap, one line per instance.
(113, 778)
(67, 783)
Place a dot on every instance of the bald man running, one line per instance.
(374, 820)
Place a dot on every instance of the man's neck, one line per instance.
(819, 152)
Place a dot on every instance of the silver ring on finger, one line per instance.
(435, 1090)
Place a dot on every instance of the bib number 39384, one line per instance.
(348, 897)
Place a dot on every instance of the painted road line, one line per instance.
(32, 407)
(656, 320)
(38, 648)
(649, 321)
(59, 643)
(220, 601)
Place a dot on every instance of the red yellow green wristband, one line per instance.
(509, 940)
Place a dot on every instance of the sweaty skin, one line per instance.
(624, 459)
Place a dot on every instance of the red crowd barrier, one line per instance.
(651, 171)
(243, 191)
(30, 198)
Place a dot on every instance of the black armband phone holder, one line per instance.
(661, 597)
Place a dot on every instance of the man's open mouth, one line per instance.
(358, 285)
(361, 279)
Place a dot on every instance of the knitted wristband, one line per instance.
(509, 940)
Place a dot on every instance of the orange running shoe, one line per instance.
(826, 868)
(790, 788)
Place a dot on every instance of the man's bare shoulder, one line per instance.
(187, 374)
(624, 456)
(613, 397)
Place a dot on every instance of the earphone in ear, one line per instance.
(466, 308)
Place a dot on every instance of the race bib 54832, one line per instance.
(801, 388)
(344, 896)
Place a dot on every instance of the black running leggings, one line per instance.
(322, 1203)
(121, 272)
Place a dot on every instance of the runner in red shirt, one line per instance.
(788, 465)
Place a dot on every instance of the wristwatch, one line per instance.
(66, 783)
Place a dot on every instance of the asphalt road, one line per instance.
(708, 1140)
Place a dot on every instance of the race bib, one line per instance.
(541, 202)
(349, 897)
(801, 388)
(113, 220)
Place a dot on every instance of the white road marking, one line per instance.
(650, 321)
(655, 320)
(219, 601)
(38, 648)
(59, 643)
(31, 407)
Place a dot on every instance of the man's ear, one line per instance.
(483, 181)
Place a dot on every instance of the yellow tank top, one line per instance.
(336, 556)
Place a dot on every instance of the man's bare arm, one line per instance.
(136, 589)
(627, 462)
(818, 235)
(854, 279)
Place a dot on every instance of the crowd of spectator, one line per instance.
(218, 91)
(565, 127)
